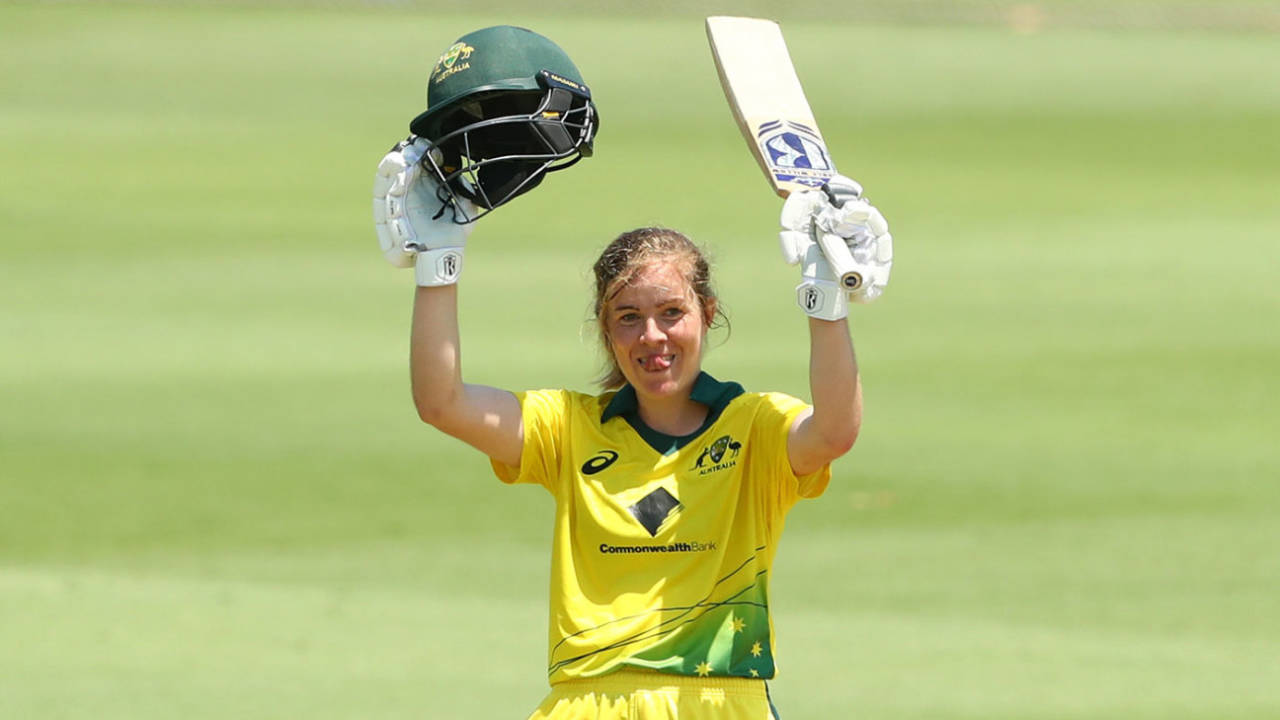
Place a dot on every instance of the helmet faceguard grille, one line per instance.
(496, 146)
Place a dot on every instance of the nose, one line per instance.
(652, 331)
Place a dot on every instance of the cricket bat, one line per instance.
(773, 114)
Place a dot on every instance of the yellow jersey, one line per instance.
(662, 545)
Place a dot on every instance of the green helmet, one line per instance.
(505, 106)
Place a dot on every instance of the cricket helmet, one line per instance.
(505, 106)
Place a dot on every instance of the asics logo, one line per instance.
(598, 462)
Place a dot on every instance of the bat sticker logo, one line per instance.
(795, 152)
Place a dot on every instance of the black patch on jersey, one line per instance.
(654, 508)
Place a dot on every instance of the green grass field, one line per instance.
(216, 500)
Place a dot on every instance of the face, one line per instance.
(656, 330)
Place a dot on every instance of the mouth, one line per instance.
(655, 363)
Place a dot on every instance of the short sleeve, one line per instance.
(774, 417)
(543, 414)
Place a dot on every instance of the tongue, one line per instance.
(659, 362)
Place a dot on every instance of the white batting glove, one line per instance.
(414, 226)
(865, 232)
(839, 213)
(819, 293)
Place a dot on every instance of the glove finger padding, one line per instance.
(847, 219)
(386, 206)
(397, 174)
(884, 249)
(879, 262)
(873, 285)
(412, 149)
(794, 244)
(800, 209)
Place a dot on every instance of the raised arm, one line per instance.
(414, 230)
(484, 417)
(831, 427)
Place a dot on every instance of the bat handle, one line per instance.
(841, 261)
(835, 248)
(832, 198)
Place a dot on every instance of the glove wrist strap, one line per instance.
(822, 299)
(441, 266)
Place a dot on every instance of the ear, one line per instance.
(708, 314)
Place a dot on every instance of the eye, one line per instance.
(673, 313)
(629, 318)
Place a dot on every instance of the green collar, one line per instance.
(706, 390)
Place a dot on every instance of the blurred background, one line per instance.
(216, 499)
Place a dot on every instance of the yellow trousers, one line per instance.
(654, 696)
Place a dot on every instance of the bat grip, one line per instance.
(835, 200)
(841, 261)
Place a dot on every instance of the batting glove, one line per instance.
(414, 225)
(837, 212)
(864, 231)
(819, 293)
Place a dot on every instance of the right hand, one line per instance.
(414, 226)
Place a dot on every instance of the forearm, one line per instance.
(435, 357)
(834, 384)
(838, 213)
(415, 230)
(484, 417)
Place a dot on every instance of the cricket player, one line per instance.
(671, 486)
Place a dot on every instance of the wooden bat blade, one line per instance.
(773, 114)
(768, 102)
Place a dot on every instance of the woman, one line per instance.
(671, 487)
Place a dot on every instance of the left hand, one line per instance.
(865, 232)
(839, 210)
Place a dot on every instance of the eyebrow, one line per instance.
(674, 299)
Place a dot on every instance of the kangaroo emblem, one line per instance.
(716, 450)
